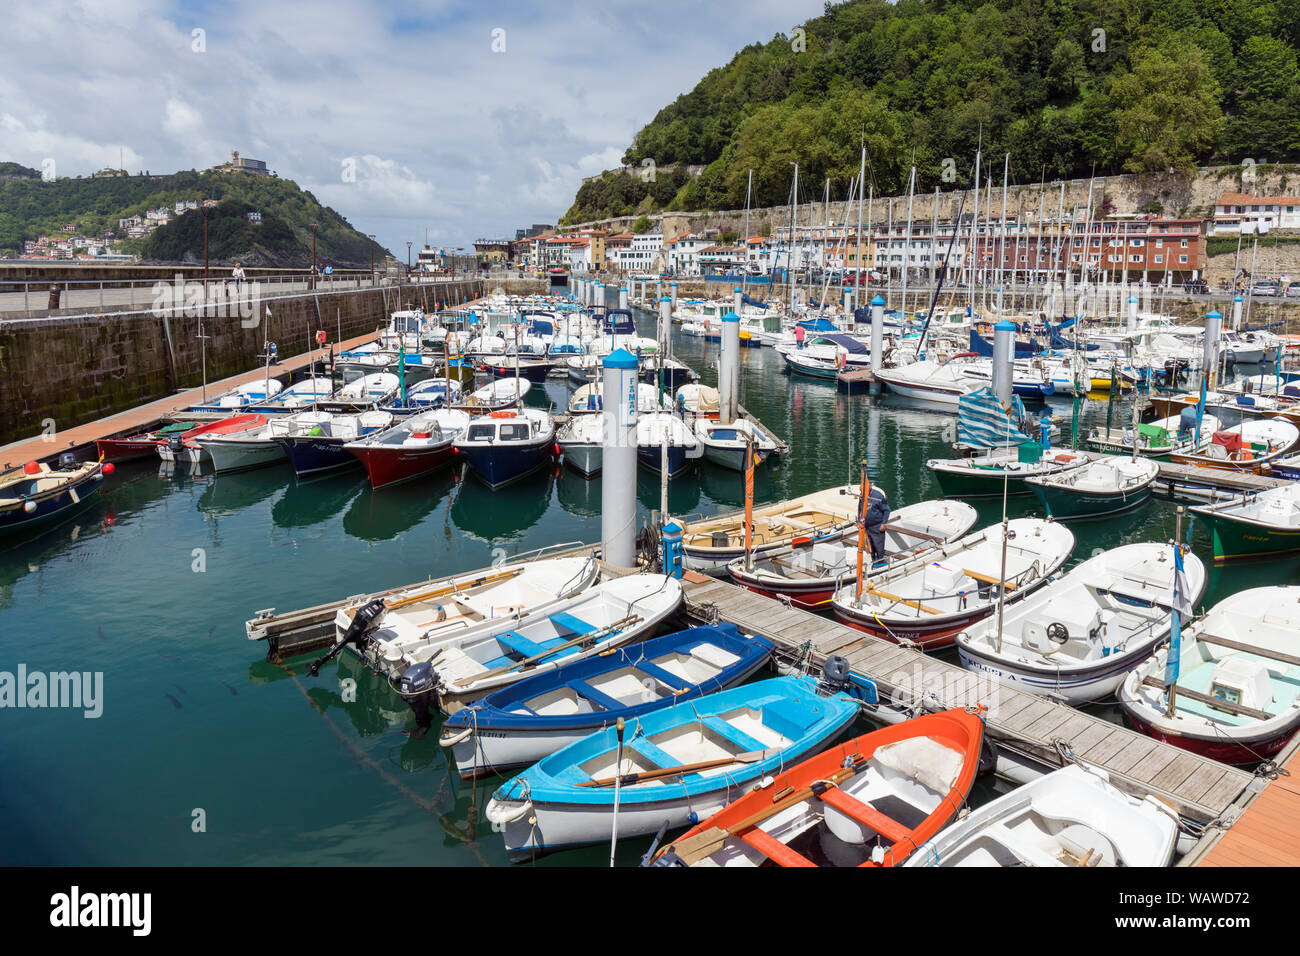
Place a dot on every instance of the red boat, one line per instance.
(143, 445)
(184, 447)
(411, 448)
(868, 802)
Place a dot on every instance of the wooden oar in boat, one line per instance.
(707, 842)
(988, 579)
(913, 533)
(580, 639)
(910, 602)
(750, 756)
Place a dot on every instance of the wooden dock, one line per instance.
(1209, 484)
(1263, 823)
(1030, 726)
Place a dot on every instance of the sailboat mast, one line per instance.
(907, 240)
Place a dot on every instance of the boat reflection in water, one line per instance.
(727, 487)
(227, 494)
(308, 502)
(683, 491)
(384, 514)
(578, 495)
(490, 515)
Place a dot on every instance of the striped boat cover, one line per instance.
(983, 423)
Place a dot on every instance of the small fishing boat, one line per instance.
(929, 599)
(866, 802)
(1079, 636)
(521, 724)
(724, 445)
(392, 629)
(426, 396)
(496, 395)
(1103, 487)
(297, 397)
(710, 544)
(587, 399)
(36, 494)
(582, 443)
(1235, 695)
(1248, 446)
(1001, 471)
(651, 433)
(368, 391)
(934, 383)
(142, 445)
(809, 574)
(315, 441)
(700, 401)
(416, 446)
(462, 669)
(241, 450)
(526, 369)
(584, 368)
(675, 763)
(675, 374)
(1155, 440)
(187, 446)
(505, 445)
(1256, 524)
(239, 397)
(1288, 467)
(1069, 817)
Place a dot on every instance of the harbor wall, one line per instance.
(79, 368)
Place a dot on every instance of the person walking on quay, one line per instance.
(237, 274)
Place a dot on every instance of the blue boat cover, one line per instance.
(619, 322)
(846, 342)
(1060, 342)
(982, 422)
(981, 346)
(819, 325)
(744, 297)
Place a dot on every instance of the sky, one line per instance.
(465, 119)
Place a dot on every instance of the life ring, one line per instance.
(505, 414)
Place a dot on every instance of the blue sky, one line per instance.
(443, 132)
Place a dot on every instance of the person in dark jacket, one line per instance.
(876, 517)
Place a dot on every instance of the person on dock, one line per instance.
(237, 274)
(799, 336)
(876, 517)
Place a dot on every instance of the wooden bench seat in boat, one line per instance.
(732, 735)
(571, 623)
(517, 642)
(651, 669)
(604, 701)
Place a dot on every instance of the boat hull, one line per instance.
(500, 465)
(585, 459)
(313, 455)
(1246, 750)
(928, 634)
(1234, 539)
(1068, 503)
(49, 508)
(652, 458)
(533, 372)
(978, 483)
(387, 466)
(239, 456)
(713, 560)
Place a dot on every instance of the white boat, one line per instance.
(657, 429)
(699, 400)
(936, 383)
(1158, 439)
(1070, 817)
(409, 624)
(240, 398)
(1235, 698)
(495, 395)
(929, 599)
(589, 399)
(725, 445)
(372, 389)
(582, 443)
(297, 397)
(464, 668)
(1104, 487)
(253, 448)
(1079, 636)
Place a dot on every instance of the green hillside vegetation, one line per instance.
(31, 208)
(1064, 86)
(268, 242)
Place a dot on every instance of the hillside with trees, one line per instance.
(31, 207)
(1065, 86)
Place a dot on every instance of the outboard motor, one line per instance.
(67, 461)
(418, 688)
(362, 622)
(835, 674)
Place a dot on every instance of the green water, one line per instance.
(283, 768)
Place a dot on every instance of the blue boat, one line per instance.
(507, 445)
(526, 721)
(679, 765)
(37, 494)
(316, 441)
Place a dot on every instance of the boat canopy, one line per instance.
(982, 422)
(1058, 341)
(744, 297)
(847, 342)
(981, 346)
(818, 325)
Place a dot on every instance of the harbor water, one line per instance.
(206, 754)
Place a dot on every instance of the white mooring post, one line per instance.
(673, 286)
(1132, 313)
(618, 478)
(877, 340)
(1236, 312)
(729, 368)
(1210, 347)
(1004, 350)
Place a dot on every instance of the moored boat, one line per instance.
(1070, 817)
(811, 573)
(929, 599)
(410, 448)
(37, 494)
(1245, 447)
(188, 447)
(998, 472)
(1235, 691)
(315, 441)
(142, 445)
(870, 801)
(679, 762)
(725, 444)
(1254, 525)
(523, 723)
(1080, 635)
(505, 445)
(1103, 487)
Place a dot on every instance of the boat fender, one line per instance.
(455, 738)
(988, 761)
(496, 815)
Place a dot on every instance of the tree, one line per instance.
(1167, 110)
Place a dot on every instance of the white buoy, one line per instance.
(1132, 313)
(729, 368)
(877, 340)
(1004, 350)
(1236, 312)
(1210, 347)
(618, 479)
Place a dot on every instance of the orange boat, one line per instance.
(867, 802)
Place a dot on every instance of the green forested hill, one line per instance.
(1063, 85)
(32, 207)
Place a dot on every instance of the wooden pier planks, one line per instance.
(1264, 823)
(1201, 789)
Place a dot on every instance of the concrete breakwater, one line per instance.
(56, 373)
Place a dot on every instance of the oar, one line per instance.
(455, 588)
(751, 756)
(709, 841)
(580, 639)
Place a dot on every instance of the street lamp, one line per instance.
(372, 259)
(408, 258)
(314, 226)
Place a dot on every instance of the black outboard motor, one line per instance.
(418, 688)
(835, 674)
(362, 622)
(67, 461)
